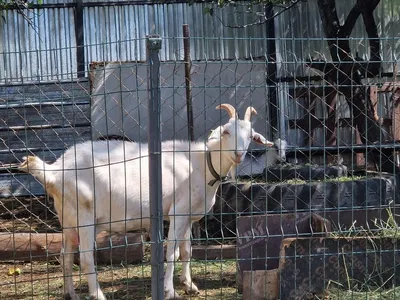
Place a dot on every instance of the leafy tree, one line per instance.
(345, 71)
(20, 5)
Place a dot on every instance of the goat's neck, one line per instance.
(220, 163)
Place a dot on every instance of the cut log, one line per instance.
(47, 247)
(261, 284)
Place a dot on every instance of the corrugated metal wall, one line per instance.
(116, 33)
(47, 52)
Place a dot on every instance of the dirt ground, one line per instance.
(216, 280)
(29, 214)
(41, 280)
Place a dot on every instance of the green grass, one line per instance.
(338, 293)
(301, 181)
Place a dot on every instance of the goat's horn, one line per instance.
(249, 111)
(230, 109)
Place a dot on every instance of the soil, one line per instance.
(28, 214)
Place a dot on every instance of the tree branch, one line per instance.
(346, 29)
(263, 18)
(330, 23)
(320, 65)
(20, 6)
(368, 7)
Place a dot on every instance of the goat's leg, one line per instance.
(177, 228)
(70, 238)
(186, 253)
(87, 237)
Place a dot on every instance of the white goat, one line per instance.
(273, 155)
(277, 153)
(104, 186)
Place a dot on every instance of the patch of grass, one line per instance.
(294, 181)
(389, 228)
(215, 280)
(301, 181)
(385, 229)
(344, 179)
(338, 293)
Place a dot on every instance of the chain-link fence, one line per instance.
(150, 151)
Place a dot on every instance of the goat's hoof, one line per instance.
(190, 289)
(71, 297)
(169, 295)
(98, 297)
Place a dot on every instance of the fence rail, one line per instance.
(314, 216)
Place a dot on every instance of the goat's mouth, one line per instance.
(236, 160)
(269, 144)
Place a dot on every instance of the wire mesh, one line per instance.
(314, 216)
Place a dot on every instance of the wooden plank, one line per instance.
(47, 247)
(389, 87)
(45, 115)
(23, 94)
(373, 94)
(42, 126)
(396, 115)
(213, 252)
(19, 185)
(44, 138)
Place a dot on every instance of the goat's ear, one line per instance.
(259, 139)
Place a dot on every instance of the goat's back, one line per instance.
(111, 178)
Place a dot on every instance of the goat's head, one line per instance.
(281, 146)
(236, 135)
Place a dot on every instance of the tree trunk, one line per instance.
(347, 73)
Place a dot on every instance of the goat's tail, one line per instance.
(38, 168)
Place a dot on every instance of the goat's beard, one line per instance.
(232, 160)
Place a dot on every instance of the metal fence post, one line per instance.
(153, 43)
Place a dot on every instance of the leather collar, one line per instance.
(214, 173)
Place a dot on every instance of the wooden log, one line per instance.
(261, 284)
(212, 252)
(47, 247)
